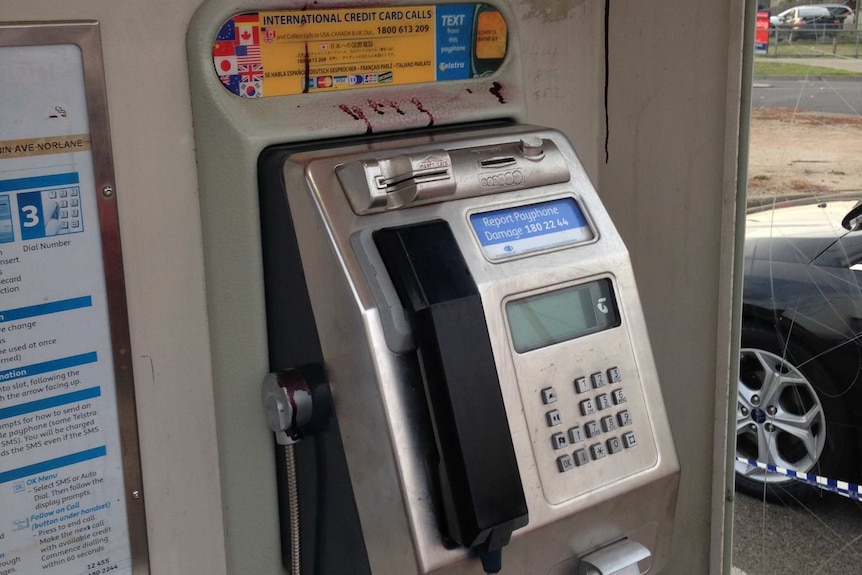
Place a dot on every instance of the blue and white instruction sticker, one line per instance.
(62, 486)
(524, 229)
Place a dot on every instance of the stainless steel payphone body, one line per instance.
(444, 280)
(581, 402)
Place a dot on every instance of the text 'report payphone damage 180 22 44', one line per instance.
(282, 53)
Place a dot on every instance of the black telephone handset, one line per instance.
(483, 498)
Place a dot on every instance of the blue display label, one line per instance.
(454, 41)
(514, 231)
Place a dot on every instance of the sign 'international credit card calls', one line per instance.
(293, 52)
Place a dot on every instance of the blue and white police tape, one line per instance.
(844, 488)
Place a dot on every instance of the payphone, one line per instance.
(476, 314)
(461, 379)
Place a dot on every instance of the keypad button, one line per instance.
(565, 463)
(587, 407)
(598, 380)
(618, 396)
(629, 440)
(614, 445)
(581, 385)
(553, 418)
(624, 418)
(549, 395)
(597, 450)
(603, 402)
(614, 375)
(559, 441)
(581, 457)
(608, 424)
(592, 428)
(576, 434)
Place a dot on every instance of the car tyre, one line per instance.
(789, 414)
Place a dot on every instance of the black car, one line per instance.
(800, 374)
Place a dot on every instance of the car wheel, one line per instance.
(787, 416)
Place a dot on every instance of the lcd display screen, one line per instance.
(548, 318)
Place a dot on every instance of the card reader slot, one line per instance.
(415, 178)
(482, 494)
(499, 162)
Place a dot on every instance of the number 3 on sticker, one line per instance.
(31, 216)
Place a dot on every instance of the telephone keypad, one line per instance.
(597, 450)
(603, 401)
(582, 430)
(576, 434)
(581, 385)
(624, 418)
(559, 441)
(581, 457)
(549, 395)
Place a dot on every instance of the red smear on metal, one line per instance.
(307, 71)
(422, 109)
(357, 114)
(376, 106)
(394, 105)
(496, 89)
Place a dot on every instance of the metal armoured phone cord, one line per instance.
(293, 505)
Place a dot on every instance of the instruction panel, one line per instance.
(292, 52)
(61, 475)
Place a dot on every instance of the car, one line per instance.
(841, 12)
(808, 21)
(799, 400)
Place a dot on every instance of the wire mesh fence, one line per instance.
(815, 40)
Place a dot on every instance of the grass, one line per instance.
(763, 67)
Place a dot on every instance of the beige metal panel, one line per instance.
(665, 182)
(147, 85)
(670, 186)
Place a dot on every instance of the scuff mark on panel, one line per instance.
(376, 106)
(549, 10)
(422, 109)
(357, 114)
(497, 90)
(152, 368)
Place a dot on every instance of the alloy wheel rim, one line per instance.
(779, 418)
